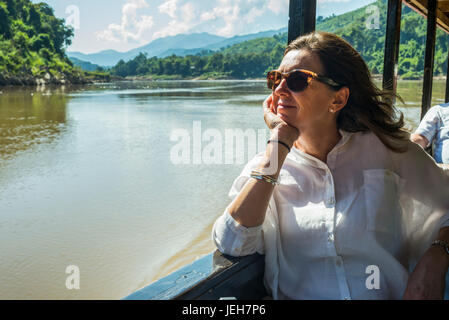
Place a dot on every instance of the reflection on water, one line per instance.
(30, 117)
(86, 179)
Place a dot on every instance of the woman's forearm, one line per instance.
(442, 255)
(428, 278)
(250, 206)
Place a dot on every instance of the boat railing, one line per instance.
(213, 277)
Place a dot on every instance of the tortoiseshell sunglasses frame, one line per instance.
(310, 75)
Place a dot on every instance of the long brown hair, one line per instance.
(368, 108)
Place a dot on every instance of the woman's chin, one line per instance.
(285, 116)
(288, 119)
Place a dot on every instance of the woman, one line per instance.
(342, 203)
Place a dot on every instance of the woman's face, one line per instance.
(310, 107)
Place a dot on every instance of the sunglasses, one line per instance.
(297, 80)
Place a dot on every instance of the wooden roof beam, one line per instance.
(443, 6)
(429, 58)
(302, 18)
(421, 7)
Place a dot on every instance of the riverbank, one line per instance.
(221, 76)
(208, 76)
(48, 78)
(86, 77)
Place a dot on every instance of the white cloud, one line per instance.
(235, 16)
(132, 25)
(278, 6)
(169, 7)
(182, 21)
(171, 17)
(188, 12)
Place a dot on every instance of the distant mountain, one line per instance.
(160, 46)
(239, 39)
(103, 58)
(180, 45)
(84, 65)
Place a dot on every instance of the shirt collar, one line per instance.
(302, 157)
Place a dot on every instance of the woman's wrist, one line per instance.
(282, 143)
(273, 160)
(438, 259)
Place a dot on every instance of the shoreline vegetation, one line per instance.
(33, 46)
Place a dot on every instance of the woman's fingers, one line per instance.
(267, 103)
(270, 117)
(278, 127)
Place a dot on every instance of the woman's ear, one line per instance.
(340, 99)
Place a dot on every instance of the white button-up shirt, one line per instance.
(350, 228)
(435, 127)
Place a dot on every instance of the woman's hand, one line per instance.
(269, 113)
(427, 281)
(280, 130)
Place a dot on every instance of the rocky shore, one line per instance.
(49, 79)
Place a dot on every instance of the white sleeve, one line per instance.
(229, 236)
(425, 181)
(426, 188)
(429, 124)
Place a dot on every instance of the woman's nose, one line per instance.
(282, 88)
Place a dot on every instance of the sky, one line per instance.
(123, 25)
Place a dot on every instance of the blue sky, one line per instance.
(126, 24)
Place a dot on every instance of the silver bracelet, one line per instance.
(260, 176)
(441, 243)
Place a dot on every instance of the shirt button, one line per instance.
(331, 200)
(330, 238)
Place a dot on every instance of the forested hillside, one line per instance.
(32, 45)
(251, 59)
(33, 42)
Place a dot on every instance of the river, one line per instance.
(123, 180)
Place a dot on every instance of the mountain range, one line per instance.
(180, 45)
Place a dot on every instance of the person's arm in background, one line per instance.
(427, 129)
(419, 139)
(424, 143)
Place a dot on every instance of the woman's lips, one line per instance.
(283, 106)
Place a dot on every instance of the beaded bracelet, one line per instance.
(283, 143)
(260, 176)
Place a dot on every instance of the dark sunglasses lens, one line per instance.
(273, 79)
(297, 81)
